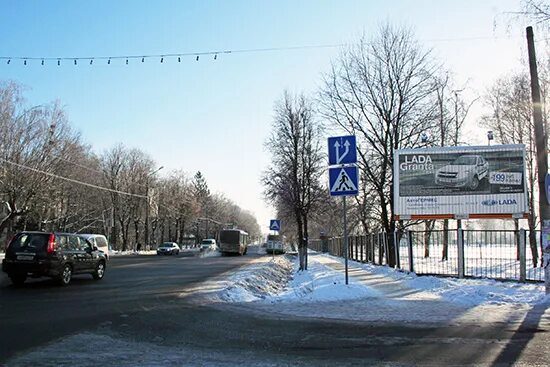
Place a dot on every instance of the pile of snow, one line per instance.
(258, 281)
(132, 252)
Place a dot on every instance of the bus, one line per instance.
(233, 241)
(276, 244)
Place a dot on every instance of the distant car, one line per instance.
(208, 244)
(55, 255)
(168, 248)
(100, 241)
(466, 171)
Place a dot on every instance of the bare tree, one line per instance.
(383, 91)
(510, 117)
(292, 182)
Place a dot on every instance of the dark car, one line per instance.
(55, 255)
(168, 248)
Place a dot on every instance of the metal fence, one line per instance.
(495, 254)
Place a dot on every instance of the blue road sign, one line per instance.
(275, 224)
(343, 181)
(342, 150)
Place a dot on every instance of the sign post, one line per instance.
(343, 179)
(275, 226)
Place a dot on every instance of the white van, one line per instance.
(98, 240)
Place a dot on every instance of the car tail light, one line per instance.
(51, 244)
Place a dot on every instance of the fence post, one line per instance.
(386, 238)
(396, 248)
(411, 264)
(460, 250)
(522, 259)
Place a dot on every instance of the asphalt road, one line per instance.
(140, 300)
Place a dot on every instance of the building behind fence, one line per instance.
(498, 254)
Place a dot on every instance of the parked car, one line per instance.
(55, 255)
(168, 248)
(466, 171)
(208, 244)
(99, 241)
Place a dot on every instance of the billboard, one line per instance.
(461, 182)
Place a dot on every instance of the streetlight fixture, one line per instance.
(424, 138)
(490, 137)
(148, 204)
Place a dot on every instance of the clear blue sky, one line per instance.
(214, 116)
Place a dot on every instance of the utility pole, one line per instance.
(542, 156)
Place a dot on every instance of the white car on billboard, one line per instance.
(466, 171)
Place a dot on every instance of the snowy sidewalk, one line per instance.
(384, 285)
(379, 294)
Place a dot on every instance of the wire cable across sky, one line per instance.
(213, 53)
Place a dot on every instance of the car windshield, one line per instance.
(465, 160)
(207, 242)
(166, 245)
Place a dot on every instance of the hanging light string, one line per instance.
(161, 57)
(214, 54)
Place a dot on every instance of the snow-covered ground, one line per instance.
(376, 294)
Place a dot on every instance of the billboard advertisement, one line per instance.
(460, 181)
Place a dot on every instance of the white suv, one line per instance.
(208, 244)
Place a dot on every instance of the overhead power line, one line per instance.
(72, 180)
(78, 60)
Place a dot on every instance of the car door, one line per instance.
(87, 253)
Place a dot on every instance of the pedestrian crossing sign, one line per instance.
(275, 225)
(343, 181)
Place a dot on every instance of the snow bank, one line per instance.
(131, 252)
(258, 281)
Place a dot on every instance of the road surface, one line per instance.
(144, 299)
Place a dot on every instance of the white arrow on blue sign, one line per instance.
(343, 181)
(275, 224)
(342, 150)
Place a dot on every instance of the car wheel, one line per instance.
(99, 271)
(475, 183)
(18, 279)
(66, 275)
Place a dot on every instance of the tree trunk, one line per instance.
(445, 253)
(136, 233)
(306, 240)
(301, 253)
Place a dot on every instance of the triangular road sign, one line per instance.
(343, 183)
